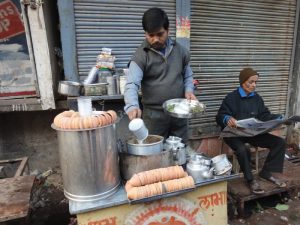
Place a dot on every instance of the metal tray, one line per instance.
(184, 101)
(165, 195)
(217, 179)
(175, 193)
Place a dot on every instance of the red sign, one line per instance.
(215, 199)
(10, 20)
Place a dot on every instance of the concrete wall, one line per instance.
(30, 134)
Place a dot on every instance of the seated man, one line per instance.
(245, 103)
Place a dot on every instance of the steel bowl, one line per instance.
(185, 108)
(69, 88)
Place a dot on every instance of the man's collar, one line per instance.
(243, 94)
(146, 45)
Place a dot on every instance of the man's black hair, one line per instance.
(154, 19)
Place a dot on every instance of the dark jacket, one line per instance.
(243, 108)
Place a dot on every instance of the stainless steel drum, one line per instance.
(89, 162)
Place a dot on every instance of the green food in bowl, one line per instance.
(196, 109)
(170, 107)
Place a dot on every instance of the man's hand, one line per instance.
(288, 123)
(190, 96)
(134, 113)
(232, 122)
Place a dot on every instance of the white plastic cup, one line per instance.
(91, 76)
(84, 106)
(122, 84)
(138, 128)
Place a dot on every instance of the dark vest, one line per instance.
(162, 76)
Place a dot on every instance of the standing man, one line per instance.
(245, 103)
(160, 66)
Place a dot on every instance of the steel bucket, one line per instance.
(89, 162)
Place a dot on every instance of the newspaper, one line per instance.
(252, 127)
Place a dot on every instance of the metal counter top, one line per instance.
(120, 197)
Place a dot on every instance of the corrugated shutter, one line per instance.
(227, 36)
(112, 24)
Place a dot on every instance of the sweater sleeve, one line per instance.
(225, 112)
(264, 112)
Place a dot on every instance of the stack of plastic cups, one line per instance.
(84, 106)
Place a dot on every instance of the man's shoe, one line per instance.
(255, 187)
(273, 180)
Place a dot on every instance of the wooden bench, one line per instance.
(235, 163)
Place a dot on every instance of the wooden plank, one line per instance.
(23, 162)
(11, 160)
(27, 104)
(41, 53)
(21, 167)
(14, 197)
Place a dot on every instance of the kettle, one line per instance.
(179, 154)
(199, 168)
(174, 144)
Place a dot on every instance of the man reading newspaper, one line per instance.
(244, 103)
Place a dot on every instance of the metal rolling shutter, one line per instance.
(227, 36)
(112, 24)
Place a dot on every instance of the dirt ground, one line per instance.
(48, 203)
(269, 215)
(49, 206)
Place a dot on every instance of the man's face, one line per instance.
(158, 39)
(250, 84)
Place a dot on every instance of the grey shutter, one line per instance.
(227, 36)
(112, 24)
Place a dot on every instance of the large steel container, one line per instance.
(89, 162)
(131, 164)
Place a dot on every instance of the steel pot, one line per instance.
(69, 88)
(131, 164)
(95, 89)
(153, 144)
(221, 164)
